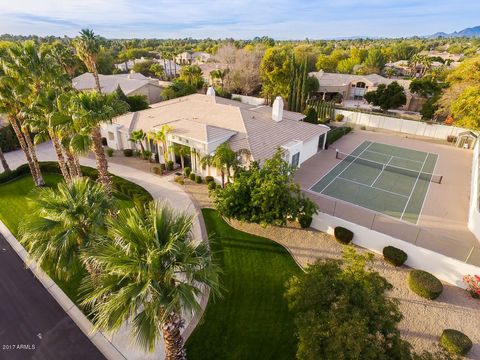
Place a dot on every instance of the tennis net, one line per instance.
(392, 168)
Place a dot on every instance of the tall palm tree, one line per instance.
(90, 109)
(151, 272)
(219, 74)
(22, 72)
(206, 162)
(225, 159)
(4, 162)
(67, 222)
(87, 46)
(162, 137)
(137, 137)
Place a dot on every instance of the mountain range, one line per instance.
(468, 32)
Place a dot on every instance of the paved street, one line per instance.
(32, 324)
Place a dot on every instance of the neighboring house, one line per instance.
(131, 84)
(188, 58)
(203, 122)
(207, 69)
(171, 68)
(354, 87)
(445, 55)
(403, 68)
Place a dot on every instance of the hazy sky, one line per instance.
(241, 19)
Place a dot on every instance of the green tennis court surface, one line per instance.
(384, 178)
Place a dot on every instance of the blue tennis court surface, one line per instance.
(388, 179)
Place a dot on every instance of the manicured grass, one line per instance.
(17, 200)
(252, 320)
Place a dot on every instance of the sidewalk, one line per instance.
(161, 189)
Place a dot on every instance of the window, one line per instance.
(111, 136)
(295, 159)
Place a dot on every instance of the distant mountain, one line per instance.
(468, 32)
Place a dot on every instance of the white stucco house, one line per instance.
(203, 122)
(131, 84)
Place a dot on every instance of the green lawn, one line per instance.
(17, 200)
(252, 320)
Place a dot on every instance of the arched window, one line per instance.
(361, 84)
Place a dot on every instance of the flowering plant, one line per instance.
(473, 284)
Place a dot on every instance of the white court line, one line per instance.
(333, 167)
(372, 187)
(381, 172)
(414, 185)
(356, 157)
(398, 157)
(426, 194)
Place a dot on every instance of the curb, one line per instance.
(96, 337)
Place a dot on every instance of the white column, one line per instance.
(324, 140)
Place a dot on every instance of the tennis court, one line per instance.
(384, 178)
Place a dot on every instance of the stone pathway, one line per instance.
(423, 321)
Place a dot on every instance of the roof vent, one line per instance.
(277, 109)
(210, 91)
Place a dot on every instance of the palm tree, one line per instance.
(162, 137)
(226, 159)
(90, 109)
(4, 162)
(219, 74)
(151, 272)
(206, 161)
(21, 75)
(87, 46)
(138, 136)
(67, 222)
(182, 151)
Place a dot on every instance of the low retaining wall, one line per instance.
(417, 128)
(443, 267)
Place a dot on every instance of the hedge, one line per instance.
(394, 255)
(343, 235)
(123, 187)
(336, 133)
(8, 139)
(424, 284)
(455, 342)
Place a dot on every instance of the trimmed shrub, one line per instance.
(343, 235)
(169, 165)
(157, 170)
(187, 171)
(8, 139)
(146, 154)
(128, 152)
(311, 115)
(179, 179)
(394, 255)
(424, 284)
(336, 133)
(163, 167)
(211, 185)
(209, 179)
(305, 221)
(339, 117)
(192, 176)
(109, 152)
(455, 342)
(198, 179)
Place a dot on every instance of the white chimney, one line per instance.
(277, 109)
(210, 91)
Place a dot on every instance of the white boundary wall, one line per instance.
(445, 268)
(474, 211)
(418, 128)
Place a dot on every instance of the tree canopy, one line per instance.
(387, 97)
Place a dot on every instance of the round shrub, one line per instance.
(339, 117)
(192, 176)
(209, 179)
(187, 171)
(109, 152)
(179, 179)
(157, 170)
(455, 342)
(128, 152)
(424, 284)
(394, 255)
(163, 167)
(305, 221)
(169, 165)
(198, 179)
(343, 235)
(211, 185)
